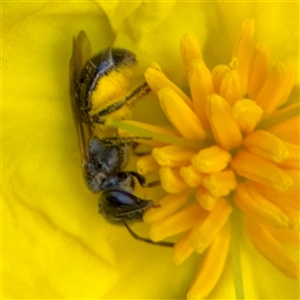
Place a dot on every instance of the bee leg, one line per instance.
(121, 140)
(142, 180)
(137, 237)
(129, 99)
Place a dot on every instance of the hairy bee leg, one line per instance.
(129, 99)
(137, 237)
(117, 140)
(142, 180)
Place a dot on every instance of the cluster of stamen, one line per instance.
(224, 151)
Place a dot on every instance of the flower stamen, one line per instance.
(219, 114)
(260, 170)
(271, 249)
(177, 223)
(171, 180)
(205, 231)
(266, 145)
(210, 160)
(212, 266)
(174, 108)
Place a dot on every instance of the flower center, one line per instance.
(227, 149)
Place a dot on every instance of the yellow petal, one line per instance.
(189, 50)
(191, 176)
(219, 114)
(259, 208)
(165, 207)
(243, 53)
(180, 115)
(173, 156)
(220, 183)
(147, 164)
(201, 85)
(210, 160)
(230, 88)
(247, 114)
(260, 170)
(269, 247)
(205, 199)
(158, 80)
(177, 223)
(266, 145)
(277, 87)
(171, 181)
(183, 248)
(259, 70)
(212, 267)
(206, 231)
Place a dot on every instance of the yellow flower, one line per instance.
(239, 114)
(54, 242)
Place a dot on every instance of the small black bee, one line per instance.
(104, 153)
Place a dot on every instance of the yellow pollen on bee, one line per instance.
(175, 109)
(201, 85)
(220, 183)
(191, 176)
(171, 180)
(277, 87)
(230, 88)
(256, 206)
(219, 115)
(177, 223)
(108, 89)
(166, 206)
(247, 114)
(158, 80)
(205, 199)
(266, 145)
(260, 170)
(259, 70)
(210, 160)
(206, 230)
(190, 51)
(172, 156)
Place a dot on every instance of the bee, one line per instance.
(98, 89)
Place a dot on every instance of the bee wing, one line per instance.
(80, 55)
